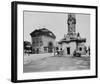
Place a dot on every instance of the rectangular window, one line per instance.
(45, 48)
(41, 43)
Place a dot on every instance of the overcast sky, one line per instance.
(55, 22)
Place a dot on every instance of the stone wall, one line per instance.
(71, 45)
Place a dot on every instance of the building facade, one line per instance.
(43, 41)
(72, 41)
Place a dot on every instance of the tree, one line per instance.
(89, 50)
(27, 47)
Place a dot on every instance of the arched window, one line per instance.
(80, 49)
(50, 47)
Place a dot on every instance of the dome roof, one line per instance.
(42, 32)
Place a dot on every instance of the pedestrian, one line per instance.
(57, 52)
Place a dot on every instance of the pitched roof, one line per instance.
(43, 31)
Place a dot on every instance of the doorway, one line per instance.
(68, 50)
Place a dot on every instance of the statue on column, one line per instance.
(71, 24)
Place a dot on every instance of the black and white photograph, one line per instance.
(53, 41)
(56, 41)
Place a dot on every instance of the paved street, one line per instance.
(56, 63)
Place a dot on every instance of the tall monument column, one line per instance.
(71, 24)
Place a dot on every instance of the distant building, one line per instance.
(72, 41)
(43, 41)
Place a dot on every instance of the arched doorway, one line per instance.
(50, 47)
